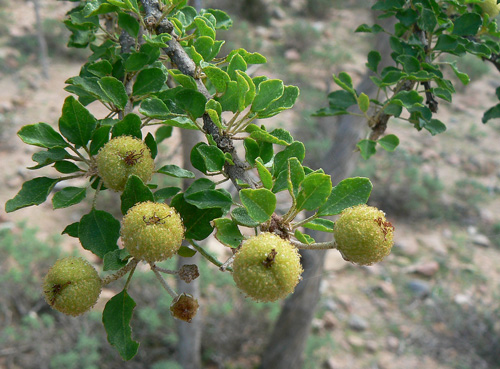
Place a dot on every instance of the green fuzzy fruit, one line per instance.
(490, 7)
(72, 286)
(267, 267)
(122, 157)
(152, 231)
(363, 235)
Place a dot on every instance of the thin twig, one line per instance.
(163, 282)
(315, 246)
(120, 273)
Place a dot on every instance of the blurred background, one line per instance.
(433, 303)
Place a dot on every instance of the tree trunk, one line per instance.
(288, 340)
(42, 43)
(189, 334)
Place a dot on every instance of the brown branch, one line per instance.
(178, 56)
(378, 122)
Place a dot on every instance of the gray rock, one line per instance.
(481, 240)
(357, 323)
(419, 289)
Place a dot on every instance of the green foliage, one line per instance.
(213, 90)
(423, 34)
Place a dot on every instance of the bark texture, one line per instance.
(189, 344)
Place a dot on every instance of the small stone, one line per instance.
(392, 343)
(292, 54)
(420, 289)
(330, 322)
(427, 269)
(462, 299)
(330, 364)
(356, 342)
(481, 240)
(433, 242)
(357, 323)
(278, 13)
(331, 305)
(387, 288)
(371, 346)
(317, 324)
(408, 246)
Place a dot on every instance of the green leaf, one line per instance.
(186, 252)
(148, 81)
(157, 40)
(363, 102)
(192, 102)
(304, 238)
(68, 196)
(153, 107)
(71, 230)
(260, 203)
(44, 158)
(115, 260)
(207, 158)
(435, 126)
(241, 217)
(136, 61)
(237, 62)
(181, 122)
(427, 20)
(151, 144)
(200, 184)
(196, 221)
(218, 77)
(130, 125)
(262, 135)
(99, 138)
(252, 150)
(183, 79)
(295, 176)
(66, 167)
(227, 232)
(98, 232)
(314, 191)
(115, 90)
(463, 77)
(367, 148)
(33, 192)
(267, 92)
(135, 191)
(165, 193)
(175, 171)
(129, 24)
(41, 134)
(208, 199)
(322, 225)
(467, 24)
(344, 80)
(295, 150)
(374, 59)
(204, 27)
(264, 174)
(163, 133)
(349, 192)
(116, 319)
(389, 142)
(76, 123)
(223, 21)
(366, 28)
